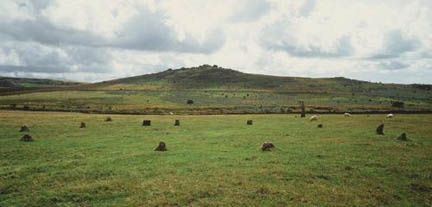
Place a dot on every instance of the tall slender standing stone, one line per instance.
(303, 111)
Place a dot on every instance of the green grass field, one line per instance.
(214, 161)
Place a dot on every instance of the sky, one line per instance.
(381, 41)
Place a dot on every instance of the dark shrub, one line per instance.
(398, 104)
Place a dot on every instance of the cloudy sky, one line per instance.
(94, 40)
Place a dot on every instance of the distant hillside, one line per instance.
(32, 82)
(213, 90)
(215, 78)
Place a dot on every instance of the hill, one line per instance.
(214, 77)
(216, 90)
(11, 86)
(33, 82)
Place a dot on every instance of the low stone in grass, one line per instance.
(177, 123)
(380, 129)
(24, 128)
(403, 137)
(108, 119)
(27, 138)
(267, 146)
(320, 126)
(147, 123)
(249, 122)
(161, 147)
(83, 125)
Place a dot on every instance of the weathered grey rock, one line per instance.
(380, 129)
(27, 138)
(320, 126)
(147, 123)
(249, 122)
(267, 146)
(303, 110)
(403, 137)
(83, 125)
(24, 128)
(161, 147)
(177, 123)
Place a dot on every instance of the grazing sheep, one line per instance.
(347, 114)
(314, 118)
(390, 116)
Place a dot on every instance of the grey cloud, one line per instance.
(45, 48)
(42, 59)
(42, 31)
(36, 5)
(95, 69)
(276, 37)
(395, 45)
(147, 31)
(307, 8)
(32, 69)
(393, 65)
(250, 10)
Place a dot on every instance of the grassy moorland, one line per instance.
(215, 90)
(33, 82)
(214, 161)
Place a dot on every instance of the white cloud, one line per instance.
(388, 40)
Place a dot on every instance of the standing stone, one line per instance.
(27, 138)
(24, 128)
(108, 119)
(303, 110)
(83, 125)
(249, 122)
(161, 147)
(267, 146)
(177, 123)
(380, 129)
(403, 137)
(147, 123)
(320, 126)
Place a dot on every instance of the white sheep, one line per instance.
(314, 118)
(390, 116)
(347, 114)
